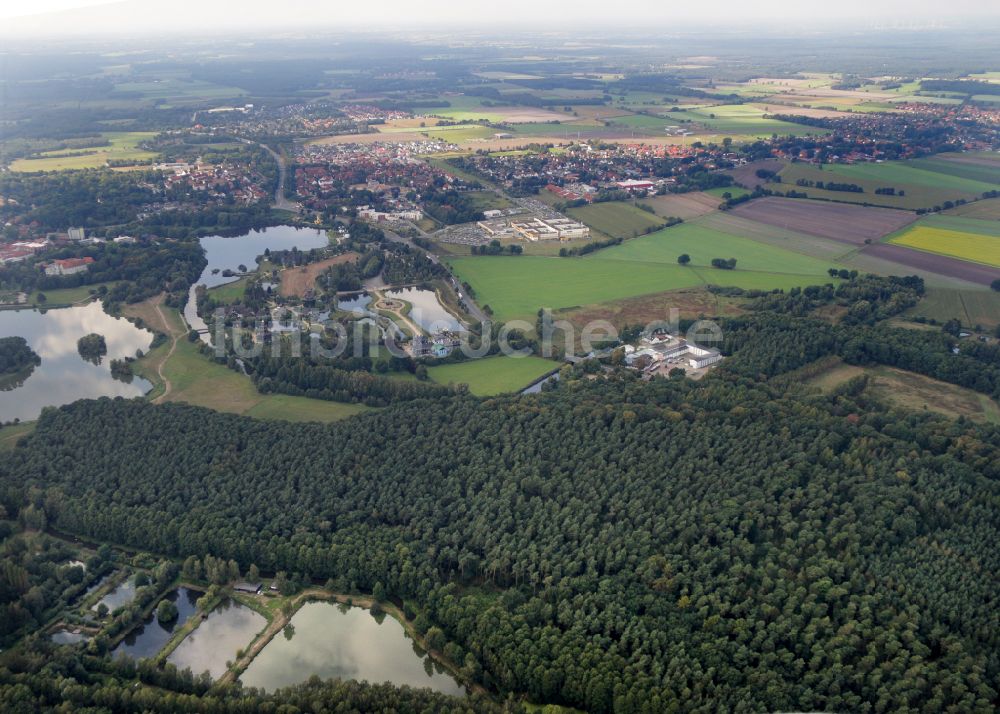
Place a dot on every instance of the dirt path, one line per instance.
(170, 353)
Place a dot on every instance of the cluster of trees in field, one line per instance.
(832, 186)
(495, 247)
(868, 298)
(139, 270)
(350, 276)
(450, 206)
(610, 545)
(16, 356)
(403, 264)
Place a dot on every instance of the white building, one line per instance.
(69, 266)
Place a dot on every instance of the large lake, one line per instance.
(230, 627)
(335, 641)
(228, 253)
(64, 376)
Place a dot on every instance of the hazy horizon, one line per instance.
(101, 17)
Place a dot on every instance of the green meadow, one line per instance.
(122, 146)
(493, 375)
(517, 287)
(703, 244)
(923, 188)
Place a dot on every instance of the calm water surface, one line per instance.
(335, 641)
(64, 376)
(121, 595)
(229, 253)
(150, 637)
(427, 311)
(229, 628)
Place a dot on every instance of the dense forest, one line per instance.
(610, 545)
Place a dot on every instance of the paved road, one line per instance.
(280, 202)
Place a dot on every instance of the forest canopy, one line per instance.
(611, 545)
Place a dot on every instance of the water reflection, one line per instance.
(228, 253)
(121, 595)
(229, 628)
(427, 311)
(150, 637)
(346, 643)
(68, 637)
(63, 377)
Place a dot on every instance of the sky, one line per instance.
(100, 16)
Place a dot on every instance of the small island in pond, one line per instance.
(92, 347)
(17, 360)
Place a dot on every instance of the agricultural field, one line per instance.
(923, 188)
(724, 192)
(746, 175)
(907, 261)
(735, 119)
(493, 375)
(515, 288)
(123, 146)
(835, 221)
(908, 173)
(985, 209)
(964, 166)
(687, 205)
(777, 236)
(970, 307)
(703, 244)
(978, 247)
(179, 90)
(616, 219)
(467, 108)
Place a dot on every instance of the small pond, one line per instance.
(336, 641)
(121, 595)
(68, 637)
(229, 628)
(357, 304)
(64, 376)
(427, 311)
(150, 637)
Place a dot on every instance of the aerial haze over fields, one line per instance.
(536, 357)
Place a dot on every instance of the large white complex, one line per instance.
(657, 350)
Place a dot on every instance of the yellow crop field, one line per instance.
(975, 247)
